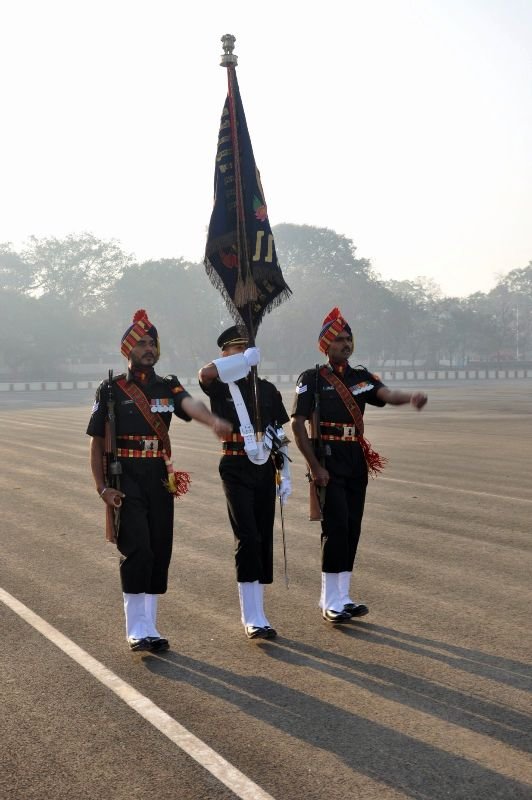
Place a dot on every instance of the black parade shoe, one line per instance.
(255, 632)
(158, 644)
(356, 609)
(336, 617)
(139, 645)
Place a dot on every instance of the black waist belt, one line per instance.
(145, 443)
(338, 428)
(233, 446)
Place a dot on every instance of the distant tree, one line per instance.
(15, 273)
(422, 292)
(519, 281)
(454, 330)
(308, 250)
(323, 271)
(79, 269)
(180, 299)
(483, 341)
(38, 335)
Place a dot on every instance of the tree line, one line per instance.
(69, 300)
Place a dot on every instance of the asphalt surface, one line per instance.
(428, 697)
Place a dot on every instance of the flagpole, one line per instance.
(229, 60)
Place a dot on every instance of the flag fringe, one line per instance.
(238, 311)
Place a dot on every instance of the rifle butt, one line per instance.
(315, 512)
(111, 527)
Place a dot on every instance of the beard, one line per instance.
(143, 362)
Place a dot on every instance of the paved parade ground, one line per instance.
(428, 697)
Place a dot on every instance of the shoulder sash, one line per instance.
(154, 420)
(346, 396)
(374, 460)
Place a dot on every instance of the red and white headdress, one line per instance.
(332, 326)
(141, 327)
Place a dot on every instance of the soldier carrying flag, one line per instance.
(241, 262)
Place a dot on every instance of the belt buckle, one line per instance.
(349, 430)
(150, 445)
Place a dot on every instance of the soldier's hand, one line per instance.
(418, 400)
(320, 476)
(284, 490)
(112, 497)
(221, 427)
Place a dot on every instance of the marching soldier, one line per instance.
(144, 405)
(340, 392)
(248, 473)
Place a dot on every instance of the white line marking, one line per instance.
(454, 489)
(209, 759)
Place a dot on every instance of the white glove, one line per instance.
(232, 368)
(252, 356)
(284, 490)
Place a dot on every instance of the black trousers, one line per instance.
(342, 521)
(146, 527)
(250, 494)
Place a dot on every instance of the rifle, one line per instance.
(112, 467)
(316, 493)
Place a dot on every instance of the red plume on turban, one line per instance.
(331, 327)
(141, 327)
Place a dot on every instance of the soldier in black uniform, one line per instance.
(149, 482)
(250, 488)
(343, 392)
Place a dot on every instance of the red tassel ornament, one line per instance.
(375, 462)
(178, 483)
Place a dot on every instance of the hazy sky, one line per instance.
(403, 124)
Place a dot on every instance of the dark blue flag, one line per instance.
(240, 256)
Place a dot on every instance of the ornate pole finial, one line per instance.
(228, 57)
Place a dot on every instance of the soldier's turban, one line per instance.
(331, 327)
(140, 327)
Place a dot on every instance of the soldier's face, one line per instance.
(342, 347)
(144, 354)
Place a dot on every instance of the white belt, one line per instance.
(257, 452)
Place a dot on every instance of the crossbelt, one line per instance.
(343, 433)
(138, 446)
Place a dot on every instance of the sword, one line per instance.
(284, 544)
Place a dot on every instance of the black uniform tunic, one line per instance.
(249, 488)
(344, 461)
(147, 512)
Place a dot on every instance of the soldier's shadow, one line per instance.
(374, 750)
(503, 670)
(431, 697)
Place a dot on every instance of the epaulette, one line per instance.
(174, 384)
(311, 369)
(373, 374)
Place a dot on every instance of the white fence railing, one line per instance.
(386, 375)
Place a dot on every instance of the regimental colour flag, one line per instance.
(240, 256)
